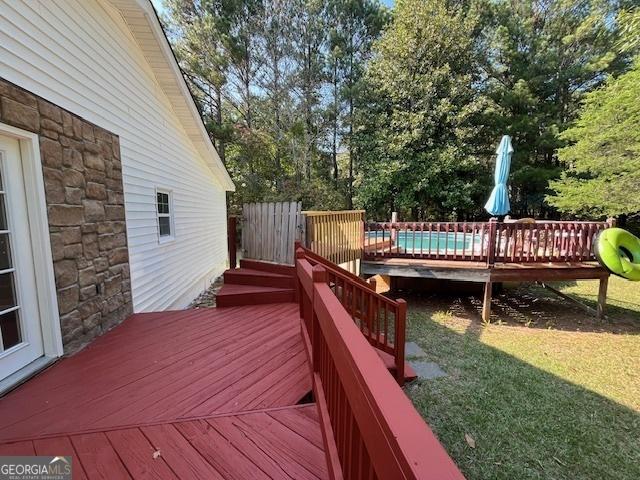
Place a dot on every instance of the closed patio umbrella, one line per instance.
(498, 203)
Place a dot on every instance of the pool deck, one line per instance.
(481, 272)
(470, 271)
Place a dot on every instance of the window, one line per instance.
(165, 214)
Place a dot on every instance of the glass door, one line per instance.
(20, 328)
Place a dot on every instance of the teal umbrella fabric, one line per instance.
(498, 203)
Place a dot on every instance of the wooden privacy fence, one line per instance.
(381, 320)
(490, 242)
(336, 236)
(269, 230)
(370, 428)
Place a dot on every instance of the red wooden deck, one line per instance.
(215, 391)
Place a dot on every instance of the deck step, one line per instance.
(288, 270)
(389, 362)
(260, 278)
(233, 295)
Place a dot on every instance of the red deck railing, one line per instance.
(370, 428)
(490, 242)
(381, 320)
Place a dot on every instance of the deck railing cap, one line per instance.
(319, 274)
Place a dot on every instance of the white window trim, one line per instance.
(41, 244)
(162, 239)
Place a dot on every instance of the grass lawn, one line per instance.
(545, 391)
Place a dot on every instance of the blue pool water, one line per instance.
(430, 242)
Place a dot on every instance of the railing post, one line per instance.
(611, 222)
(363, 231)
(319, 276)
(231, 241)
(393, 233)
(299, 255)
(400, 334)
(491, 246)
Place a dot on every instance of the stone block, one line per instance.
(73, 196)
(19, 95)
(101, 264)
(90, 245)
(115, 198)
(72, 158)
(51, 153)
(94, 210)
(103, 135)
(115, 146)
(71, 235)
(65, 272)
(114, 212)
(67, 123)
(88, 292)
(49, 134)
(89, 228)
(94, 160)
(73, 251)
(427, 370)
(77, 128)
(105, 241)
(105, 150)
(57, 246)
(92, 321)
(50, 111)
(68, 299)
(120, 240)
(87, 132)
(105, 227)
(73, 178)
(70, 322)
(47, 124)
(54, 189)
(412, 349)
(90, 307)
(87, 276)
(113, 303)
(113, 286)
(19, 115)
(96, 191)
(65, 215)
(118, 255)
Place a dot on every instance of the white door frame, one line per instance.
(40, 240)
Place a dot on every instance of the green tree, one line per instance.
(355, 25)
(603, 178)
(542, 57)
(419, 114)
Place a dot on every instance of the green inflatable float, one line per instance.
(619, 252)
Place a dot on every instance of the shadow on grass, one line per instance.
(527, 423)
(529, 306)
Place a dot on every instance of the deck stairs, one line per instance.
(256, 283)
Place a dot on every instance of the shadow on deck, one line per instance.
(214, 391)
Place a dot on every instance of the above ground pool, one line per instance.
(429, 242)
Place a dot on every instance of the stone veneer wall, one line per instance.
(85, 202)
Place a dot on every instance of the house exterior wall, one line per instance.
(80, 55)
(85, 208)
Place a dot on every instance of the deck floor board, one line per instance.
(212, 392)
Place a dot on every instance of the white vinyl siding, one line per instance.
(79, 54)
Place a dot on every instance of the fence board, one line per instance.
(270, 229)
